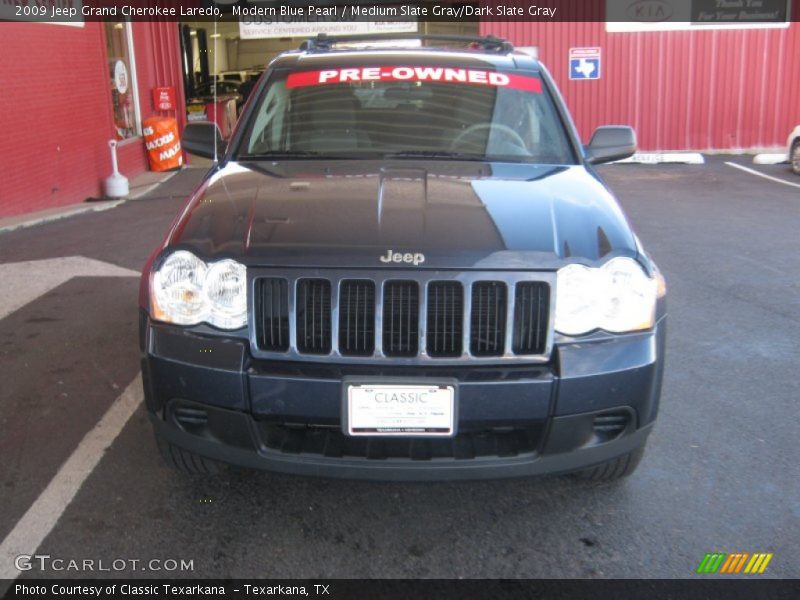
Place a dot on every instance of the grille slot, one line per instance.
(401, 318)
(609, 425)
(314, 316)
(531, 308)
(444, 334)
(191, 416)
(190, 419)
(488, 318)
(357, 317)
(272, 306)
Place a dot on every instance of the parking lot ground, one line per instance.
(720, 473)
(776, 173)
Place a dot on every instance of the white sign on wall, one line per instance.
(121, 77)
(584, 63)
(260, 29)
(676, 15)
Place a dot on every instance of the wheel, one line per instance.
(794, 157)
(185, 461)
(616, 468)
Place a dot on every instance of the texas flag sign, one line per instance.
(584, 63)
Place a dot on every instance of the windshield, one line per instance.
(407, 111)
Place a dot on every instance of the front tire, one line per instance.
(186, 461)
(794, 157)
(614, 469)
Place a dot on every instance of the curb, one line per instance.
(50, 215)
(149, 188)
(770, 159)
(655, 158)
(69, 211)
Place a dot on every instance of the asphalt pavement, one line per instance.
(720, 473)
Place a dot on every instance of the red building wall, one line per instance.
(680, 90)
(55, 109)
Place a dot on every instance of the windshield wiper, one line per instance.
(434, 154)
(278, 154)
(457, 156)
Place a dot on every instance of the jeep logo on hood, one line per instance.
(391, 256)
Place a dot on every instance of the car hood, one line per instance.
(458, 214)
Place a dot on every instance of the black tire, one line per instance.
(794, 157)
(185, 461)
(616, 468)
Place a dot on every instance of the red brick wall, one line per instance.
(681, 90)
(55, 109)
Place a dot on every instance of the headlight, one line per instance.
(226, 290)
(617, 297)
(577, 309)
(186, 291)
(177, 290)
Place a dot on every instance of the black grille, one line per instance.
(314, 316)
(488, 318)
(401, 318)
(331, 442)
(357, 317)
(363, 313)
(444, 334)
(530, 317)
(272, 306)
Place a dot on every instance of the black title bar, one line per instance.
(696, 12)
(387, 589)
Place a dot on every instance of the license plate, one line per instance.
(400, 410)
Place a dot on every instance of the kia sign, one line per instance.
(649, 11)
(744, 11)
(164, 98)
(665, 15)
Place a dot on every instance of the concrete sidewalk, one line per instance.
(139, 186)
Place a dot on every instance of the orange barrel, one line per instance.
(163, 143)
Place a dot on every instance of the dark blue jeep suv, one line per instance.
(403, 265)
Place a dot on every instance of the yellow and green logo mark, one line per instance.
(736, 562)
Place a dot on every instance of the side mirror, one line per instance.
(200, 137)
(610, 143)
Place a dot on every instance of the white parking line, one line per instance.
(23, 282)
(39, 520)
(764, 175)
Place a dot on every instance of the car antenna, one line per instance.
(214, 80)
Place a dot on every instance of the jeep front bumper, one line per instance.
(594, 401)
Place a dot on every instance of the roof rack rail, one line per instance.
(323, 42)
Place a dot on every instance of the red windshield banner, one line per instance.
(410, 73)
